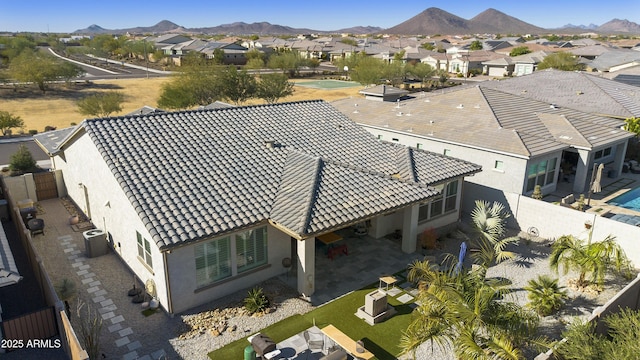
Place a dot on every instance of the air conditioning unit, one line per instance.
(95, 243)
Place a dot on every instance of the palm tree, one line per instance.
(591, 260)
(464, 311)
(545, 295)
(489, 226)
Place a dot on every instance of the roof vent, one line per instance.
(399, 113)
(356, 110)
(460, 106)
(270, 144)
(579, 92)
(427, 100)
(477, 106)
(553, 106)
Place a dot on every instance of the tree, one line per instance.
(420, 70)
(218, 56)
(22, 160)
(287, 62)
(237, 86)
(632, 125)
(69, 71)
(545, 295)
(465, 310)
(9, 121)
(520, 50)
(273, 87)
(196, 84)
(489, 226)
(475, 45)
(564, 61)
(101, 105)
(592, 259)
(367, 70)
(36, 67)
(443, 76)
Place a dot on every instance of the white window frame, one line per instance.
(144, 250)
(251, 249)
(215, 261)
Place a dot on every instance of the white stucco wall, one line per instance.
(182, 272)
(552, 221)
(510, 179)
(84, 166)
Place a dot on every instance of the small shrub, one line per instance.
(428, 238)
(33, 132)
(73, 124)
(256, 301)
(537, 193)
(49, 128)
(545, 296)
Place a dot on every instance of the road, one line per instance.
(104, 69)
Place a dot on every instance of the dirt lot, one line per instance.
(57, 107)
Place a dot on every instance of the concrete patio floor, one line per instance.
(367, 261)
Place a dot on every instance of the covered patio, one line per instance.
(368, 259)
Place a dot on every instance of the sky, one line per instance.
(64, 16)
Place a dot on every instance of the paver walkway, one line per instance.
(102, 284)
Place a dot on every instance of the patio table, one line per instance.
(329, 238)
(347, 343)
(388, 281)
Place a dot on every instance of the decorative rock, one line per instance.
(144, 305)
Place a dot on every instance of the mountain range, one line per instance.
(429, 22)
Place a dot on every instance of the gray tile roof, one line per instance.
(192, 175)
(575, 90)
(50, 141)
(488, 119)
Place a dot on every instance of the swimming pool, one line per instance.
(628, 200)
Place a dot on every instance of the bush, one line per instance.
(545, 296)
(22, 160)
(256, 301)
(33, 132)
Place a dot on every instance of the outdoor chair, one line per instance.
(315, 341)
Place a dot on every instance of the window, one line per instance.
(447, 152)
(602, 153)
(444, 203)
(419, 146)
(144, 250)
(251, 249)
(213, 261)
(451, 196)
(498, 165)
(541, 173)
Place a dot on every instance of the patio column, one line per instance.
(582, 170)
(410, 229)
(306, 266)
(618, 161)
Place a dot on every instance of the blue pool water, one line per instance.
(629, 200)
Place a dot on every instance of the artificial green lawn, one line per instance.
(381, 339)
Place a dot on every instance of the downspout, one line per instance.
(167, 284)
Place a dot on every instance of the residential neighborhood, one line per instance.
(429, 191)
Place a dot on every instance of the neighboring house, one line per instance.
(209, 202)
(500, 67)
(438, 61)
(527, 63)
(519, 141)
(463, 63)
(614, 60)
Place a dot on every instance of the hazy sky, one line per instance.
(71, 15)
